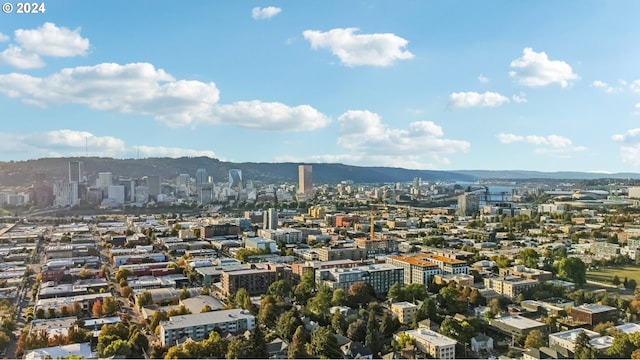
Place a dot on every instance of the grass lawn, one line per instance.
(605, 275)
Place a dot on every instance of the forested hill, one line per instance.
(15, 173)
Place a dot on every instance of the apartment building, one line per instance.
(416, 269)
(404, 311)
(435, 345)
(374, 247)
(509, 286)
(567, 339)
(594, 313)
(331, 254)
(256, 281)
(524, 272)
(198, 326)
(448, 265)
(380, 276)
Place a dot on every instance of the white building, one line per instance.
(105, 179)
(435, 345)
(65, 193)
(198, 326)
(404, 311)
(567, 339)
(116, 193)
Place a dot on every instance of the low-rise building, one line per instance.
(594, 313)
(433, 344)
(198, 326)
(567, 339)
(517, 325)
(380, 276)
(509, 286)
(524, 272)
(404, 311)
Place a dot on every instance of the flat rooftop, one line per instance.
(431, 337)
(518, 322)
(572, 335)
(213, 317)
(594, 308)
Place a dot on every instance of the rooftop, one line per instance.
(572, 335)
(445, 259)
(213, 317)
(518, 322)
(594, 308)
(404, 304)
(629, 328)
(431, 337)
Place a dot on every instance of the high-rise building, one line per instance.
(76, 171)
(105, 179)
(153, 185)
(201, 177)
(270, 219)
(65, 193)
(468, 204)
(235, 178)
(305, 181)
(116, 193)
(182, 184)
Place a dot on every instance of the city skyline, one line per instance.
(421, 85)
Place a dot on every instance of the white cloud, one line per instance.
(360, 49)
(172, 152)
(271, 116)
(551, 144)
(483, 79)
(604, 86)
(363, 131)
(67, 142)
(634, 86)
(4, 38)
(629, 146)
(535, 69)
(462, 100)
(520, 98)
(50, 40)
(19, 58)
(140, 88)
(265, 13)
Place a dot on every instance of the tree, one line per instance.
(529, 257)
(324, 344)
(337, 323)
(395, 293)
(123, 274)
(126, 292)
(139, 342)
(184, 294)
(241, 297)
(503, 262)
(534, 340)
(357, 330)
(110, 306)
(573, 269)
(267, 314)
(582, 349)
(96, 309)
(404, 340)
(622, 346)
(360, 293)
(339, 297)
(616, 280)
(450, 327)
(238, 349)
(298, 346)
(257, 344)
(319, 304)
(287, 324)
(145, 299)
(603, 327)
(371, 339)
(304, 290)
(4, 340)
(635, 354)
(279, 289)
(206, 309)
(631, 284)
(387, 325)
(413, 292)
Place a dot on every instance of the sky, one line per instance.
(444, 85)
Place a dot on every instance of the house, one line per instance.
(481, 342)
(355, 350)
(277, 349)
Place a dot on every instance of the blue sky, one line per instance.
(533, 85)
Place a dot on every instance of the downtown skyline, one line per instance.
(442, 85)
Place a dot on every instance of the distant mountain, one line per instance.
(559, 175)
(16, 173)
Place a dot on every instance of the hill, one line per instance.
(16, 173)
(558, 175)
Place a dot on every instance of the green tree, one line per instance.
(279, 289)
(287, 324)
(110, 306)
(123, 274)
(145, 299)
(582, 349)
(404, 340)
(371, 339)
(239, 349)
(534, 340)
(298, 346)
(415, 292)
(206, 309)
(338, 323)
(339, 297)
(184, 294)
(268, 314)
(319, 304)
(257, 343)
(395, 293)
(529, 257)
(622, 346)
(357, 330)
(324, 344)
(573, 269)
(139, 342)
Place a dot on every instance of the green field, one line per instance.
(605, 275)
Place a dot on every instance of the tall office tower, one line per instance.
(76, 171)
(153, 185)
(305, 182)
(65, 193)
(468, 204)
(201, 177)
(182, 183)
(129, 189)
(270, 219)
(116, 193)
(235, 178)
(142, 194)
(105, 179)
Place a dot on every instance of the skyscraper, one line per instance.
(235, 178)
(153, 185)
(201, 177)
(270, 219)
(105, 179)
(76, 171)
(305, 181)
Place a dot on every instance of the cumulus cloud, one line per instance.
(363, 131)
(47, 40)
(20, 58)
(271, 116)
(462, 100)
(50, 40)
(140, 88)
(360, 49)
(520, 98)
(258, 13)
(629, 146)
(367, 141)
(551, 144)
(483, 79)
(535, 69)
(66, 142)
(604, 86)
